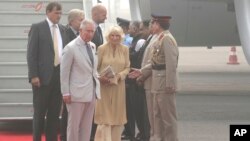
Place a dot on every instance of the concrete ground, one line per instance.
(212, 95)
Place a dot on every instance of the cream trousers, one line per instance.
(108, 133)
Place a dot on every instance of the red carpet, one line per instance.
(11, 136)
(16, 131)
(8, 136)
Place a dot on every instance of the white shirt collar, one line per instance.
(50, 23)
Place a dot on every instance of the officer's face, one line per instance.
(150, 28)
(154, 27)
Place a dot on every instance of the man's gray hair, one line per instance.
(86, 22)
(74, 13)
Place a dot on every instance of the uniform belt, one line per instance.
(159, 67)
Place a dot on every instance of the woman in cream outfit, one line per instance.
(110, 111)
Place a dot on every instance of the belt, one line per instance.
(159, 67)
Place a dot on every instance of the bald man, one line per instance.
(99, 15)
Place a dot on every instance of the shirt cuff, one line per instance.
(66, 94)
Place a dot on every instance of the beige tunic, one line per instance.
(111, 108)
(165, 51)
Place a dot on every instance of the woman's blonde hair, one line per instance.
(115, 29)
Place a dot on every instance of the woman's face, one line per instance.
(115, 38)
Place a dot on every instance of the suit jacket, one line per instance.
(40, 53)
(142, 50)
(78, 75)
(70, 34)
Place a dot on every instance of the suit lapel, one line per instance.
(47, 31)
(82, 50)
(71, 34)
(63, 35)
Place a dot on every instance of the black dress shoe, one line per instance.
(133, 139)
(141, 139)
(125, 137)
(138, 136)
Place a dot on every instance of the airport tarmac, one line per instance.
(207, 69)
(202, 58)
(212, 94)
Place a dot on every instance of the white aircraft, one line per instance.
(202, 22)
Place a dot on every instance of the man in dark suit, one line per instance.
(45, 43)
(131, 86)
(141, 111)
(75, 18)
(99, 15)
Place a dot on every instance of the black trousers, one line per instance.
(47, 103)
(137, 113)
(93, 130)
(64, 123)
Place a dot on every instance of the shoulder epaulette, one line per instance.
(161, 36)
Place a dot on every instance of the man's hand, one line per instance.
(135, 73)
(139, 82)
(35, 81)
(67, 99)
(170, 90)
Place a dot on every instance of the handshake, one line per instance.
(136, 74)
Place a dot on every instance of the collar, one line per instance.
(50, 23)
(75, 32)
(96, 25)
(82, 42)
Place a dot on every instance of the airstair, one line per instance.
(16, 17)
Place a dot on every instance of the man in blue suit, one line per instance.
(99, 15)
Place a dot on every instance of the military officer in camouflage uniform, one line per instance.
(163, 68)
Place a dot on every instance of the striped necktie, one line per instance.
(91, 57)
